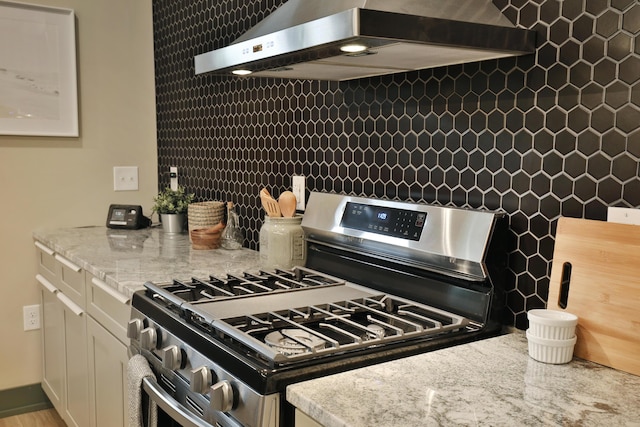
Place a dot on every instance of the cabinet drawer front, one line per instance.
(46, 262)
(71, 280)
(108, 306)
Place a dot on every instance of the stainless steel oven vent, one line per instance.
(350, 39)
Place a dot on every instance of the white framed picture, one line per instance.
(38, 83)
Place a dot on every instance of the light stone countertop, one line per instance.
(486, 383)
(126, 259)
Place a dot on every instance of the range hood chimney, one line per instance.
(350, 39)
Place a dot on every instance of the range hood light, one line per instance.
(241, 72)
(353, 48)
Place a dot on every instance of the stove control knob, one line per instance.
(148, 338)
(171, 358)
(201, 380)
(133, 329)
(222, 396)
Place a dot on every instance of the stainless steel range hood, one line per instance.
(303, 39)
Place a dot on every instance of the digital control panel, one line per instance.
(405, 224)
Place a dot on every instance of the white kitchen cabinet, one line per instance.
(303, 420)
(107, 377)
(84, 343)
(107, 351)
(76, 368)
(64, 336)
(52, 326)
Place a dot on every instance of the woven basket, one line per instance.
(204, 214)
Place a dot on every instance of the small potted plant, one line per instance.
(171, 206)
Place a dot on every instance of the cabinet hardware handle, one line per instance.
(76, 309)
(68, 263)
(109, 290)
(44, 248)
(46, 284)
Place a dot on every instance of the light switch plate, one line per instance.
(623, 215)
(125, 178)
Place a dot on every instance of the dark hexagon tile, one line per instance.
(617, 94)
(595, 209)
(582, 28)
(585, 188)
(604, 72)
(575, 165)
(578, 120)
(628, 118)
(528, 15)
(571, 9)
(619, 46)
(580, 74)
(593, 49)
(630, 70)
(602, 119)
(592, 96)
(547, 55)
(598, 166)
(631, 192)
(631, 19)
(622, 4)
(556, 119)
(624, 168)
(549, 11)
(608, 23)
(557, 76)
(559, 32)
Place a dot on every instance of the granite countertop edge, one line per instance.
(126, 259)
(491, 382)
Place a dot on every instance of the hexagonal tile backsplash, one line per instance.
(538, 136)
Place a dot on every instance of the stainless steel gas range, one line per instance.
(383, 280)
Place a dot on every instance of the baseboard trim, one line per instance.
(21, 400)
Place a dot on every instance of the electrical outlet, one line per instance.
(623, 215)
(298, 186)
(173, 177)
(31, 315)
(125, 178)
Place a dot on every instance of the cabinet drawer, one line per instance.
(71, 280)
(46, 262)
(108, 306)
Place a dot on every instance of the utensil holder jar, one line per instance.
(282, 243)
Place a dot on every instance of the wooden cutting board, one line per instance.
(596, 275)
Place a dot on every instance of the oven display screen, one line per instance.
(401, 223)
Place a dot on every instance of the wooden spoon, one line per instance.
(269, 204)
(287, 202)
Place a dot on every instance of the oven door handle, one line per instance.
(175, 410)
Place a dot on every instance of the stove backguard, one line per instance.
(450, 258)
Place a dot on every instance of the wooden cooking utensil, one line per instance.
(269, 204)
(595, 275)
(287, 202)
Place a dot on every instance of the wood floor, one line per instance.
(45, 418)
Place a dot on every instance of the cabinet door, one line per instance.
(107, 376)
(303, 420)
(75, 344)
(52, 343)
